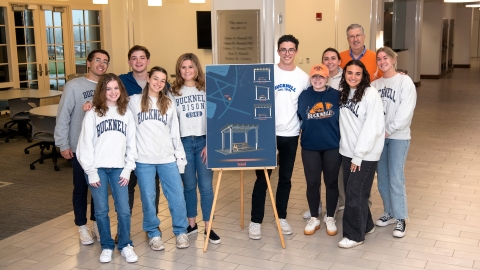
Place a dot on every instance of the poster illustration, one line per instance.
(240, 116)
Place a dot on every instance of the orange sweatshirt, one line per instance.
(369, 59)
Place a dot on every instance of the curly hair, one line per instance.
(163, 102)
(288, 38)
(99, 101)
(179, 81)
(361, 87)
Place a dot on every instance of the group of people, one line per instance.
(122, 130)
(353, 112)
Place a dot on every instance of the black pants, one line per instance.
(314, 162)
(131, 190)
(287, 150)
(80, 194)
(357, 219)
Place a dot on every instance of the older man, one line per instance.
(358, 51)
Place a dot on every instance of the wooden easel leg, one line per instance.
(274, 208)
(215, 197)
(242, 225)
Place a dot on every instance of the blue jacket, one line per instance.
(131, 84)
(319, 113)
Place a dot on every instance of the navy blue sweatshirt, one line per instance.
(319, 113)
(130, 84)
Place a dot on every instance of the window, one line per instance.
(86, 36)
(4, 68)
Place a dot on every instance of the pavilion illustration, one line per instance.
(238, 147)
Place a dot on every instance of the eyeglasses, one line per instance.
(357, 36)
(284, 51)
(98, 60)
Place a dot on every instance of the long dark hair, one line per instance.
(163, 102)
(99, 100)
(364, 83)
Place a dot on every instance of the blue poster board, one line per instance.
(240, 116)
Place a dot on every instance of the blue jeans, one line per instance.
(391, 177)
(110, 177)
(196, 172)
(173, 191)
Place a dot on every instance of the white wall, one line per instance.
(431, 38)
(463, 29)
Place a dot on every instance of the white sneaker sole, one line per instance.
(350, 246)
(130, 260)
(157, 249)
(399, 234)
(182, 247)
(86, 243)
(255, 237)
(380, 223)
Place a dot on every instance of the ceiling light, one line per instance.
(102, 2)
(197, 1)
(154, 3)
(473, 5)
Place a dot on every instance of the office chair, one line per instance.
(19, 113)
(43, 128)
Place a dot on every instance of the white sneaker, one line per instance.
(95, 232)
(313, 225)
(371, 231)
(255, 231)
(286, 228)
(347, 243)
(156, 243)
(85, 237)
(308, 215)
(106, 256)
(129, 254)
(331, 227)
(182, 241)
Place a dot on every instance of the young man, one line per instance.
(67, 130)
(290, 81)
(358, 51)
(135, 81)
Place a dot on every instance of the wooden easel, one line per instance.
(217, 188)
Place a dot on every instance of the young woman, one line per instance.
(362, 128)
(399, 98)
(160, 151)
(319, 112)
(188, 93)
(107, 152)
(331, 59)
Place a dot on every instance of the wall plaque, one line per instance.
(238, 36)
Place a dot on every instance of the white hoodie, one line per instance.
(399, 99)
(362, 127)
(158, 135)
(107, 142)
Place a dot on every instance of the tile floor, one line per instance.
(443, 172)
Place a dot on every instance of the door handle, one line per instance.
(46, 69)
(40, 69)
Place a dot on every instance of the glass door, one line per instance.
(40, 46)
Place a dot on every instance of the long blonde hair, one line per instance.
(163, 102)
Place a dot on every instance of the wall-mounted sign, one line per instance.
(238, 36)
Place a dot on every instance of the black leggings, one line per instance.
(314, 162)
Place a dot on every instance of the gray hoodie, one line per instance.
(70, 112)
